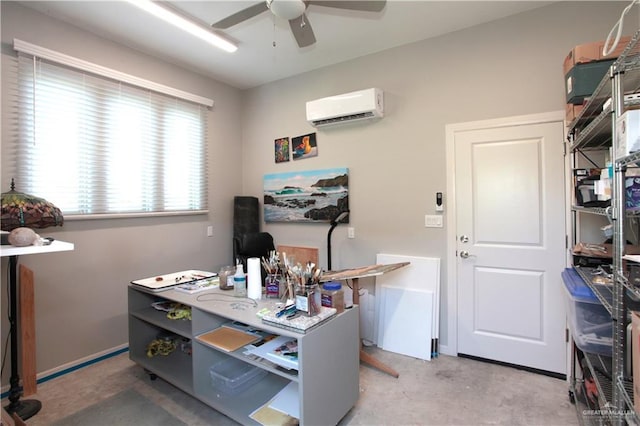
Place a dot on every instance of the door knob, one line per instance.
(464, 254)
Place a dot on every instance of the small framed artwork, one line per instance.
(304, 146)
(281, 149)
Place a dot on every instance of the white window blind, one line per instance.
(99, 147)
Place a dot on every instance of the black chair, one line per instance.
(252, 244)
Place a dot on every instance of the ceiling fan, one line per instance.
(294, 12)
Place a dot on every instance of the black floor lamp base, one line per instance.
(24, 408)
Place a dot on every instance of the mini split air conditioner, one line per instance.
(360, 105)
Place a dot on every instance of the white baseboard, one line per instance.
(446, 350)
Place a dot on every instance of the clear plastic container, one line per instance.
(233, 376)
(333, 296)
(589, 321)
(308, 299)
(240, 282)
(226, 277)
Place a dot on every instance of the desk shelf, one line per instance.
(328, 356)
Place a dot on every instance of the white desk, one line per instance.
(25, 408)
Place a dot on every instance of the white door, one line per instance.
(510, 236)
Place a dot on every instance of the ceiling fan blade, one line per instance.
(241, 16)
(364, 5)
(302, 31)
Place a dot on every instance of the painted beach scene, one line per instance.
(306, 196)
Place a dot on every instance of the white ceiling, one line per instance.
(341, 34)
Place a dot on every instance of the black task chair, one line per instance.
(253, 244)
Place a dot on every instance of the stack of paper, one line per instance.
(282, 350)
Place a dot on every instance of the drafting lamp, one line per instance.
(341, 215)
(22, 210)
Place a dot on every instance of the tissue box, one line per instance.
(628, 133)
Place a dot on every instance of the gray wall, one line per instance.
(505, 68)
(81, 305)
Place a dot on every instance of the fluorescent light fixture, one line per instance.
(184, 24)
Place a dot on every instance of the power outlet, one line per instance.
(351, 232)
(433, 221)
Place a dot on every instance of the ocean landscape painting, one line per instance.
(306, 196)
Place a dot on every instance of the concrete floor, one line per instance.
(444, 391)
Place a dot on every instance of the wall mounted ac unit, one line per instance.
(360, 105)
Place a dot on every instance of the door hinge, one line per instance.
(566, 335)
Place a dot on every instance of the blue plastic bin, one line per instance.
(590, 322)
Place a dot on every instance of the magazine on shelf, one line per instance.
(281, 350)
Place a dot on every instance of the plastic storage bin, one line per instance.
(233, 376)
(590, 323)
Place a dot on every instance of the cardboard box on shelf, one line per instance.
(590, 52)
(628, 133)
(572, 111)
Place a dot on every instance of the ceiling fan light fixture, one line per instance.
(286, 9)
(184, 24)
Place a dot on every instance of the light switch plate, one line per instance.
(433, 221)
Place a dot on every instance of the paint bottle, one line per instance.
(240, 282)
(333, 296)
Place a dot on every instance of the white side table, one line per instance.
(25, 408)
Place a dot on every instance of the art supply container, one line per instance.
(233, 376)
(240, 282)
(226, 277)
(308, 299)
(273, 284)
(333, 296)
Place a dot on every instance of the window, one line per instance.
(95, 146)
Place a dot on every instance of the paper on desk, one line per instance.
(286, 401)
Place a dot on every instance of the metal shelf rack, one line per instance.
(594, 129)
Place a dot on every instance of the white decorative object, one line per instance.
(22, 237)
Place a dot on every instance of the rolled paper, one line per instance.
(254, 281)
